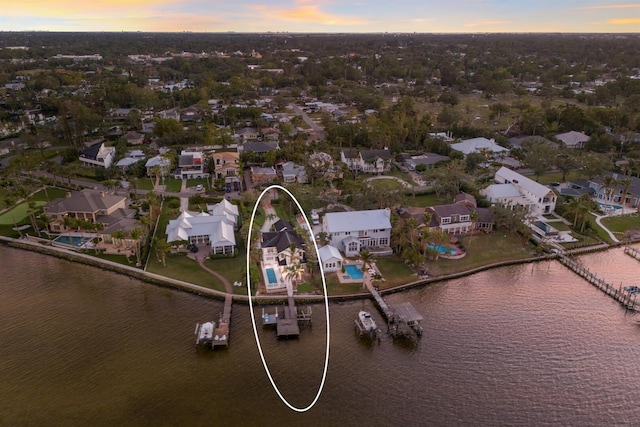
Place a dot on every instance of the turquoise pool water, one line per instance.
(76, 241)
(445, 250)
(271, 276)
(354, 271)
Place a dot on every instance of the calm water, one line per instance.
(523, 345)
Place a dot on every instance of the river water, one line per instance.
(523, 345)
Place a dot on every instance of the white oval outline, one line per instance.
(253, 320)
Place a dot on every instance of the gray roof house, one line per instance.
(537, 198)
(480, 145)
(572, 139)
(356, 230)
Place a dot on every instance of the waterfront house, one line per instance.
(331, 259)
(356, 230)
(616, 193)
(216, 232)
(460, 217)
(227, 209)
(512, 189)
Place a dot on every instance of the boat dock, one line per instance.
(632, 252)
(625, 298)
(403, 320)
(286, 319)
(218, 336)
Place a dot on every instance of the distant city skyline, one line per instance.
(323, 16)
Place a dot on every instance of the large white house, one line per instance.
(513, 189)
(481, 145)
(216, 231)
(356, 230)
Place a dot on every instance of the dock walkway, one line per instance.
(221, 332)
(402, 320)
(626, 299)
(632, 252)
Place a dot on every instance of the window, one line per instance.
(384, 241)
(464, 218)
(446, 220)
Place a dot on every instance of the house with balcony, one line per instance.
(460, 217)
(98, 155)
(280, 249)
(354, 231)
(191, 165)
(290, 172)
(367, 161)
(616, 194)
(512, 189)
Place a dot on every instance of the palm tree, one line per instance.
(136, 235)
(626, 183)
(367, 259)
(609, 183)
(294, 272)
(161, 248)
(323, 238)
(578, 209)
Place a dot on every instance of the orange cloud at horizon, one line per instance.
(624, 21)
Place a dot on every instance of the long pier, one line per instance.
(221, 332)
(632, 252)
(402, 320)
(626, 299)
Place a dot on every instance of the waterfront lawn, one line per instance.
(180, 267)
(394, 272)
(620, 224)
(334, 287)
(482, 249)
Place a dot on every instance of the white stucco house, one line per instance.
(227, 209)
(356, 230)
(512, 189)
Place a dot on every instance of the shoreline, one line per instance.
(168, 282)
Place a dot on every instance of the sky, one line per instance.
(323, 16)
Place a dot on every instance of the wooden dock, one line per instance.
(219, 337)
(287, 319)
(625, 298)
(632, 252)
(403, 320)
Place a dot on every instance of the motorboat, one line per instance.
(204, 333)
(366, 321)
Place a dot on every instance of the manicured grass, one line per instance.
(334, 287)
(560, 226)
(147, 184)
(18, 213)
(424, 200)
(620, 224)
(394, 272)
(173, 185)
(386, 184)
(180, 267)
(482, 249)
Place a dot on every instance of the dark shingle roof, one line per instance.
(281, 240)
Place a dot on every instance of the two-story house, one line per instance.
(367, 161)
(353, 231)
(615, 194)
(191, 165)
(280, 249)
(226, 163)
(216, 232)
(512, 189)
(460, 217)
(98, 155)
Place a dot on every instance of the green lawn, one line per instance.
(180, 267)
(18, 213)
(386, 184)
(482, 249)
(394, 272)
(620, 224)
(424, 200)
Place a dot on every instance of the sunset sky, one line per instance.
(328, 16)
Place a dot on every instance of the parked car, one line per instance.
(199, 187)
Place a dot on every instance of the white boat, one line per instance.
(366, 321)
(204, 333)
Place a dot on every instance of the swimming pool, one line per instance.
(271, 276)
(354, 271)
(444, 250)
(76, 241)
(607, 206)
